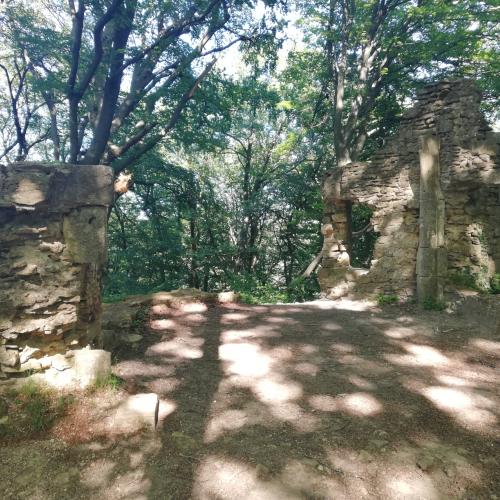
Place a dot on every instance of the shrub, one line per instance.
(385, 299)
(495, 284)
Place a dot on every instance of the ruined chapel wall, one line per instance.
(53, 221)
(390, 184)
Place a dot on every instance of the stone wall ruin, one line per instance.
(53, 221)
(435, 194)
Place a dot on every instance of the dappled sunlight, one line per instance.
(399, 332)
(179, 348)
(409, 484)
(306, 479)
(280, 321)
(224, 478)
(454, 381)
(136, 368)
(359, 404)
(229, 317)
(306, 369)
(361, 382)
(273, 391)
(97, 473)
(488, 346)
(245, 359)
(296, 416)
(330, 326)
(224, 422)
(195, 307)
(323, 402)
(418, 355)
(165, 408)
(162, 324)
(309, 404)
(257, 332)
(162, 386)
(466, 407)
(341, 348)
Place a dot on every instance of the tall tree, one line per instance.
(372, 52)
(116, 75)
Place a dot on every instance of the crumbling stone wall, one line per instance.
(53, 221)
(467, 165)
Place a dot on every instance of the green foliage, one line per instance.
(237, 209)
(463, 278)
(429, 304)
(299, 290)
(387, 299)
(481, 282)
(112, 382)
(33, 408)
(495, 284)
(364, 243)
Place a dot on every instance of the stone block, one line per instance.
(84, 232)
(91, 366)
(228, 297)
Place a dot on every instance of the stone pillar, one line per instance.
(335, 264)
(431, 255)
(53, 222)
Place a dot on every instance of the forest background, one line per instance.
(226, 114)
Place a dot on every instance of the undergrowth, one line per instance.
(431, 304)
(111, 382)
(31, 409)
(385, 299)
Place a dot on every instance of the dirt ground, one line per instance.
(313, 401)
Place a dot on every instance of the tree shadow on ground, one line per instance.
(323, 400)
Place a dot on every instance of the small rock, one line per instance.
(60, 362)
(426, 462)
(27, 353)
(9, 357)
(132, 338)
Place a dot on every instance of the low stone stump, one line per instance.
(79, 369)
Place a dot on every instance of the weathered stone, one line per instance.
(8, 357)
(91, 366)
(51, 260)
(436, 209)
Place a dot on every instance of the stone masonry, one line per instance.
(435, 194)
(53, 221)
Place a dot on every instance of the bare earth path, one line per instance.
(321, 400)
